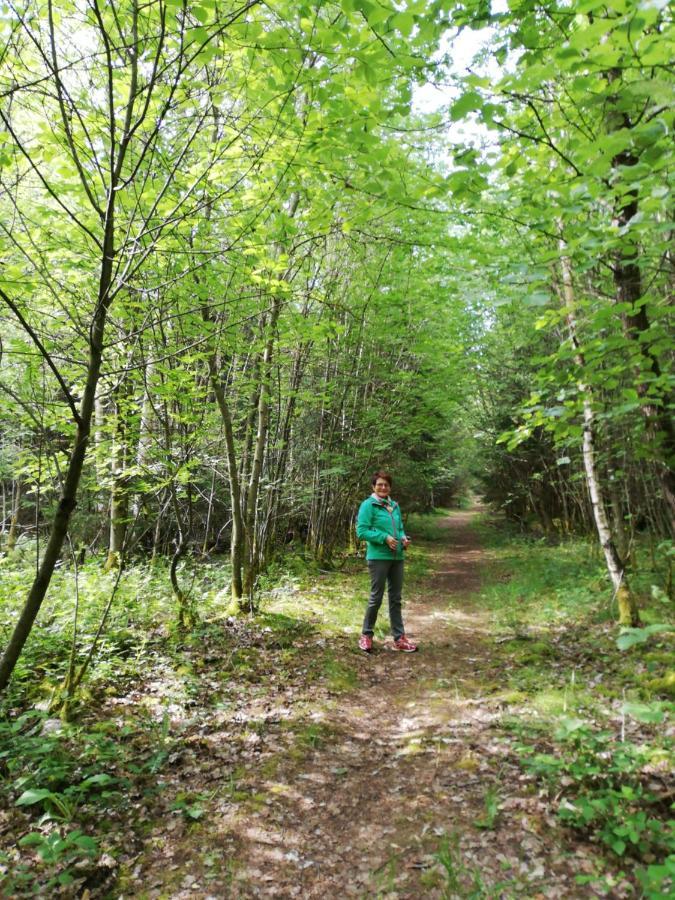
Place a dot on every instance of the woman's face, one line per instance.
(382, 488)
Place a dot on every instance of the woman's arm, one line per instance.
(365, 529)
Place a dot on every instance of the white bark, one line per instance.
(614, 564)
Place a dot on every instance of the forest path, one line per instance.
(390, 790)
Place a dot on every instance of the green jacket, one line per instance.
(375, 523)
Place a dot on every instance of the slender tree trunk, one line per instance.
(144, 445)
(237, 545)
(119, 495)
(100, 456)
(271, 528)
(250, 560)
(73, 473)
(628, 611)
(13, 533)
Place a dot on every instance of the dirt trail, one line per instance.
(400, 769)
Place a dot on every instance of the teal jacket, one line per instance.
(375, 523)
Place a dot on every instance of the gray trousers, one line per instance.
(391, 572)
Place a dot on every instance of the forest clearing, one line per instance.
(285, 288)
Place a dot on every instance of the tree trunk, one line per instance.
(237, 545)
(13, 533)
(628, 611)
(119, 496)
(251, 557)
(659, 426)
(73, 473)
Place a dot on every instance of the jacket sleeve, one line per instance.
(365, 530)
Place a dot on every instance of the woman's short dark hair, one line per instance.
(385, 476)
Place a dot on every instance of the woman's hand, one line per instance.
(392, 543)
(406, 543)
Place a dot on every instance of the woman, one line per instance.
(379, 523)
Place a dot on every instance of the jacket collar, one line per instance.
(385, 503)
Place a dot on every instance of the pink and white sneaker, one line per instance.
(405, 645)
(365, 643)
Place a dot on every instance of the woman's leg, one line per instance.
(378, 569)
(394, 591)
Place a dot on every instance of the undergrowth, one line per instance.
(69, 789)
(588, 719)
(589, 707)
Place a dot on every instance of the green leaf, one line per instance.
(35, 795)
(194, 812)
(84, 842)
(101, 778)
(34, 839)
(467, 103)
(567, 726)
(649, 713)
(629, 637)
(537, 298)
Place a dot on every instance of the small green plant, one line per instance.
(61, 851)
(460, 881)
(55, 848)
(162, 746)
(491, 801)
(192, 806)
(658, 880)
(629, 637)
(340, 677)
(606, 794)
(312, 736)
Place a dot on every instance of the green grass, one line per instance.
(426, 526)
(534, 583)
(143, 612)
(590, 719)
(334, 602)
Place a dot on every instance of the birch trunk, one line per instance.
(628, 611)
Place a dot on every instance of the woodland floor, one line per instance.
(393, 778)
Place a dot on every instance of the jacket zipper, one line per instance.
(393, 523)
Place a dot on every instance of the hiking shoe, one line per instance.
(405, 645)
(365, 643)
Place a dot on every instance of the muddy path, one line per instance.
(405, 786)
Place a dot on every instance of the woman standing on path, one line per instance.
(379, 523)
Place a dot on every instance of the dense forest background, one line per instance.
(251, 251)
(239, 269)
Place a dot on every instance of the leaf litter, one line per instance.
(274, 783)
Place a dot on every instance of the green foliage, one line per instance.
(491, 801)
(605, 791)
(542, 584)
(59, 776)
(630, 637)
(143, 613)
(42, 768)
(460, 879)
(573, 685)
(424, 527)
(190, 806)
(54, 849)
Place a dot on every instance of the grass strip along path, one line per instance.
(286, 763)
